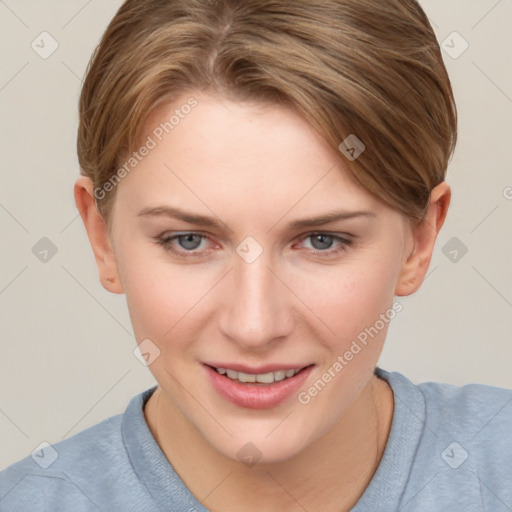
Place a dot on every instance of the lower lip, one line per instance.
(255, 395)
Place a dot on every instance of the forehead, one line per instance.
(247, 155)
(228, 133)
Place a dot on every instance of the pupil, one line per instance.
(189, 241)
(325, 241)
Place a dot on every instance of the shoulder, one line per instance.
(479, 410)
(464, 447)
(469, 408)
(61, 468)
(84, 472)
(100, 440)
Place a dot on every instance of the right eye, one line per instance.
(188, 243)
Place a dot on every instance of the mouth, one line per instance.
(257, 388)
(258, 378)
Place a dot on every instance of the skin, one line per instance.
(256, 167)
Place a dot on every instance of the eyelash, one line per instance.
(165, 242)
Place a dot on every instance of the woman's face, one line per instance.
(254, 284)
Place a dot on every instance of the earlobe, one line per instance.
(423, 237)
(98, 236)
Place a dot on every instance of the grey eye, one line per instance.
(321, 241)
(189, 241)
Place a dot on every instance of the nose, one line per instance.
(257, 309)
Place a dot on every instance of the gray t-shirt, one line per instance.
(449, 449)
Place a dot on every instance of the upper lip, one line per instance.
(267, 368)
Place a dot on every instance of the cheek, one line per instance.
(161, 296)
(357, 305)
(352, 296)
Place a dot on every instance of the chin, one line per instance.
(261, 448)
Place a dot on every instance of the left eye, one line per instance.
(321, 241)
(189, 241)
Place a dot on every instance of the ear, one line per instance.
(98, 235)
(423, 236)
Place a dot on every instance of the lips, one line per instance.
(261, 378)
(256, 387)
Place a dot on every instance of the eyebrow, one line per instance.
(203, 220)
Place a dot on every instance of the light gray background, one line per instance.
(67, 359)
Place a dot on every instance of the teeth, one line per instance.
(263, 378)
(232, 374)
(246, 377)
(280, 375)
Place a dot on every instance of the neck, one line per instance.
(330, 474)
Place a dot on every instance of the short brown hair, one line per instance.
(363, 67)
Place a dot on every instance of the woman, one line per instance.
(264, 180)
